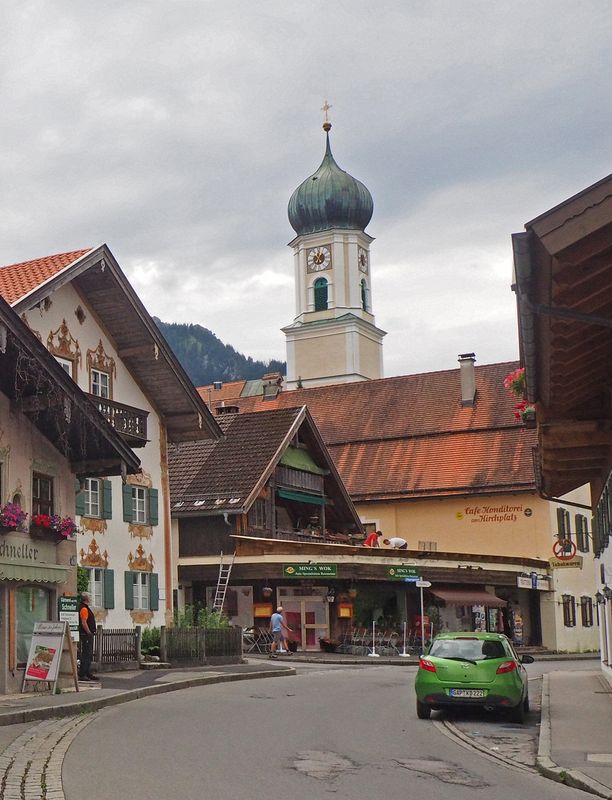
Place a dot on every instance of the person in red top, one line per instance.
(372, 539)
(87, 631)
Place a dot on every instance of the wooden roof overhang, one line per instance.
(563, 280)
(101, 282)
(40, 389)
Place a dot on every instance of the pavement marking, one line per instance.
(31, 766)
(600, 758)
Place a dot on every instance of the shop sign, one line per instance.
(407, 574)
(310, 570)
(68, 612)
(21, 549)
(45, 652)
(503, 512)
(528, 582)
(575, 562)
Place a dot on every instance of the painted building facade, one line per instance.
(82, 308)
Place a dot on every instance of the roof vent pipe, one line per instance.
(468, 378)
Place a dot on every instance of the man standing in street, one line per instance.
(87, 630)
(277, 628)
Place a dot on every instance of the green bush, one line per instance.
(194, 617)
(149, 641)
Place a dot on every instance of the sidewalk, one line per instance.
(115, 688)
(576, 730)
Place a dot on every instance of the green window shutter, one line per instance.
(154, 591)
(129, 590)
(561, 523)
(109, 588)
(153, 507)
(128, 514)
(107, 500)
(79, 500)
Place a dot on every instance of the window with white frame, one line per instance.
(91, 498)
(96, 587)
(65, 364)
(100, 384)
(141, 583)
(139, 505)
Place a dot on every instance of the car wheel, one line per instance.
(517, 714)
(423, 711)
(526, 704)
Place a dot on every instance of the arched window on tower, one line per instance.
(320, 294)
(364, 294)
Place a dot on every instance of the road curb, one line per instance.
(95, 704)
(547, 767)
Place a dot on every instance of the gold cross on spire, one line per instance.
(325, 108)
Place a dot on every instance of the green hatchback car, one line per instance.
(472, 669)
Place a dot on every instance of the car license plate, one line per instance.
(467, 692)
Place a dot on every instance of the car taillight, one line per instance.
(426, 664)
(506, 666)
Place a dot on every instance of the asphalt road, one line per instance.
(350, 732)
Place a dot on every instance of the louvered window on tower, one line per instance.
(320, 294)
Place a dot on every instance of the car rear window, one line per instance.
(471, 649)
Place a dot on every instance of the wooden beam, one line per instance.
(137, 350)
(590, 433)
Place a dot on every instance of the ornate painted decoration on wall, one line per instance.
(93, 557)
(141, 562)
(63, 345)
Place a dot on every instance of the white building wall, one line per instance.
(113, 543)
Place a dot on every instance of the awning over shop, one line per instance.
(468, 597)
(35, 573)
(302, 497)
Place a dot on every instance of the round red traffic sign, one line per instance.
(564, 549)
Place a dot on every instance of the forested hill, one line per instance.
(206, 359)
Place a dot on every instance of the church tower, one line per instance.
(333, 337)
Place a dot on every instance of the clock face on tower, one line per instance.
(362, 259)
(318, 258)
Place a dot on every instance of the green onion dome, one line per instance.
(330, 198)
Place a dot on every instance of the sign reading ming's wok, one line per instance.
(310, 570)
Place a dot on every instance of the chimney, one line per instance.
(468, 378)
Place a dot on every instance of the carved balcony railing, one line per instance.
(128, 421)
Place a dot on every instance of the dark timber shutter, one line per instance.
(154, 591)
(79, 500)
(128, 514)
(109, 588)
(153, 507)
(107, 500)
(129, 590)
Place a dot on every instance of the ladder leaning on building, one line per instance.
(225, 570)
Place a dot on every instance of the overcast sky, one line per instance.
(176, 132)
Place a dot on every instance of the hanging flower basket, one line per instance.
(52, 527)
(12, 517)
(526, 413)
(514, 382)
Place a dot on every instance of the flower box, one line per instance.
(52, 528)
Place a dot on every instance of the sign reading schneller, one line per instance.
(310, 570)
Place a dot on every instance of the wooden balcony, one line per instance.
(130, 422)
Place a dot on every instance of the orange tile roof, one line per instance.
(17, 280)
(409, 436)
(227, 391)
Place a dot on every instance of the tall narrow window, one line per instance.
(364, 294)
(100, 384)
(564, 533)
(42, 494)
(141, 590)
(92, 497)
(569, 610)
(139, 505)
(320, 294)
(582, 533)
(586, 611)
